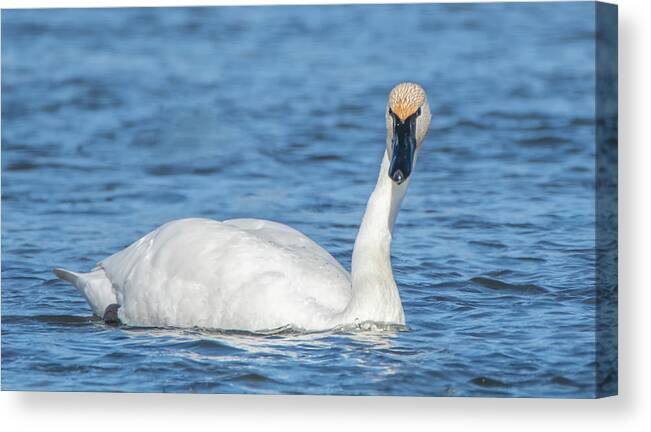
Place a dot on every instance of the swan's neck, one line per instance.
(375, 295)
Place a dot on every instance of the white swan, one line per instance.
(251, 274)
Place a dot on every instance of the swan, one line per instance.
(259, 275)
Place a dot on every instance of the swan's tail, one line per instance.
(95, 287)
(66, 275)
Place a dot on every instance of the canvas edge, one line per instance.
(606, 199)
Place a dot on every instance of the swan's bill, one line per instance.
(403, 146)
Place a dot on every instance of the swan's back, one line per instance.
(241, 273)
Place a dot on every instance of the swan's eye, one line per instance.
(418, 112)
(391, 112)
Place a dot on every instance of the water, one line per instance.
(116, 121)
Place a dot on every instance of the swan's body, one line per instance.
(252, 274)
(238, 274)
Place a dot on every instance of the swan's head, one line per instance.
(408, 117)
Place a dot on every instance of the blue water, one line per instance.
(116, 121)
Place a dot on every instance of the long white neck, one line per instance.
(375, 295)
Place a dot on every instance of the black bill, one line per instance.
(403, 147)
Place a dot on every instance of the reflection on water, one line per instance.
(118, 120)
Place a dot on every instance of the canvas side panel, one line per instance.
(606, 199)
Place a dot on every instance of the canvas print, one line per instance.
(407, 199)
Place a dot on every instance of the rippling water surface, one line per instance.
(116, 121)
